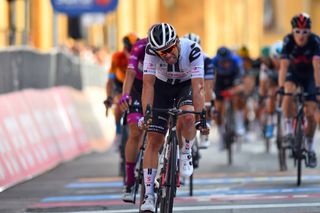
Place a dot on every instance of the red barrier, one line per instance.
(61, 125)
(26, 143)
(66, 96)
(41, 106)
(38, 130)
(12, 161)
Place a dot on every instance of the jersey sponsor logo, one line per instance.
(153, 72)
(150, 66)
(301, 59)
(175, 74)
(133, 57)
(195, 52)
(197, 70)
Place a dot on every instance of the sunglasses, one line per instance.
(301, 32)
(167, 51)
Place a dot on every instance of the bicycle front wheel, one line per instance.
(280, 147)
(298, 150)
(170, 178)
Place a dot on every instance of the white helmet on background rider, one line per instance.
(275, 50)
(193, 37)
(162, 36)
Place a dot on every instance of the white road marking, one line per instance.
(218, 207)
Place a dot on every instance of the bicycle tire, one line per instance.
(195, 162)
(281, 149)
(161, 199)
(267, 145)
(139, 176)
(142, 193)
(229, 133)
(229, 147)
(170, 180)
(191, 185)
(124, 138)
(160, 193)
(298, 149)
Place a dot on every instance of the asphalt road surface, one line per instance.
(252, 184)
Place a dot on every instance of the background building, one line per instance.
(230, 22)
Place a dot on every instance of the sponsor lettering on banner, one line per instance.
(69, 98)
(38, 130)
(67, 140)
(13, 159)
(44, 142)
(79, 7)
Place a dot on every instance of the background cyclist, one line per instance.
(229, 72)
(131, 96)
(116, 76)
(300, 66)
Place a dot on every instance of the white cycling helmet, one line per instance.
(193, 37)
(162, 36)
(275, 50)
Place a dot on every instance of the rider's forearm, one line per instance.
(282, 77)
(282, 72)
(208, 90)
(109, 88)
(198, 94)
(316, 66)
(147, 94)
(128, 81)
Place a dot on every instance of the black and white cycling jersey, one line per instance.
(190, 64)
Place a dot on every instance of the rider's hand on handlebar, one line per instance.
(125, 102)
(202, 125)
(145, 121)
(108, 103)
(204, 129)
(280, 91)
(143, 124)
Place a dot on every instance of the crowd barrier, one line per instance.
(25, 67)
(40, 129)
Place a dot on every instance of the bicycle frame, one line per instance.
(299, 151)
(170, 172)
(138, 172)
(229, 135)
(122, 145)
(298, 148)
(169, 178)
(280, 147)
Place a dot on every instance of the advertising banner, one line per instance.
(79, 7)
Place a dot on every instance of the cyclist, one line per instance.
(173, 69)
(208, 82)
(116, 75)
(300, 66)
(272, 73)
(131, 96)
(250, 74)
(229, 72)
(249, 84)
(265, 65)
